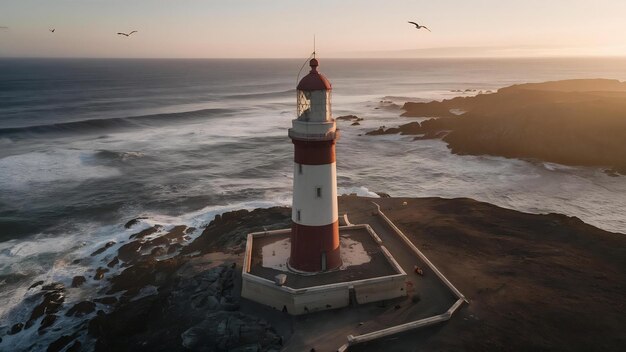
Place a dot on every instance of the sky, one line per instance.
(285, 28)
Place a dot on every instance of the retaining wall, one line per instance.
(322, 297)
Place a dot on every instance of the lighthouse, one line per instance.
(315, 225)
(301, 269)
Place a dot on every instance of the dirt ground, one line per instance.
(535, 282)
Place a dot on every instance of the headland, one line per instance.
(547, 276)
(571, 122)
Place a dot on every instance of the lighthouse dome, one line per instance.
(314, 80)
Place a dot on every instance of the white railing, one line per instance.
(421, 255)
(436, 319)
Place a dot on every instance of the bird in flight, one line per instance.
(126, 34)
(52, 30)
(419, 27)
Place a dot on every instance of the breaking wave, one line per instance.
(98, 125)
(18, 172)
(276, 94)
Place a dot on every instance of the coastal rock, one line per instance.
(55, 286)
(146, 232)
(36, 284)
(104, 248)
(225, 331)
(174, 248)
(230, 229)
(409, 129)
(52, 300)
(133, 222)
(140, 248)
(78, 281)
(100, 273)
(129, 252)
(139, 324)
(377, 132)
(16, 328)
(75, 347)
(533, 121)
(81, 308)
(175, 235)
(113, 328)
(348, 118)
(355, 124)
(133, 323)
(109, 300)
(143, 273)
(46, 322)
(113, 262)
(432, 135)
(389, 105)
(158, 251)
(60, 343)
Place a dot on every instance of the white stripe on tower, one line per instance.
(315, 194)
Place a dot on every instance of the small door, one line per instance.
(352, 296)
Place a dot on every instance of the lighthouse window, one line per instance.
(298, 215)
(304, 105)
(300, 169)
(318, 192)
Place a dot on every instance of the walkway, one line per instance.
(328, 330)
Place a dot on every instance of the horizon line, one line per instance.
(589, 56)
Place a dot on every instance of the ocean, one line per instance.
(88, 144)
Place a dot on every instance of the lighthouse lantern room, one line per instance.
(315, 225)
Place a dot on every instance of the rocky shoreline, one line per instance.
(162, 289)
(174, 290)
(573, 122)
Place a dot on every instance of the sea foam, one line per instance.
(22, 170)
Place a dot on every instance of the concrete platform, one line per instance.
(358, 265)
(369, 273)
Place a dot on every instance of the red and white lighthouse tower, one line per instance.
(315, 224)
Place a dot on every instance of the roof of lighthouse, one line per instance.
(314, 80)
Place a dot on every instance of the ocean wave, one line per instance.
(22, 170)
(52, 258)
(555, 166)
(113, 155)
(402, 99)
(359, 191)
(275, 94)
(98, 125)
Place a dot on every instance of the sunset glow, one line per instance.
(254, 29)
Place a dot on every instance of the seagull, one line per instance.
(126, 34)
(419, 27)
(52, 30)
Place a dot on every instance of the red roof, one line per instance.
(314, 80)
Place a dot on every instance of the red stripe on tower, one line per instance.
(314, 152)
(308, 243)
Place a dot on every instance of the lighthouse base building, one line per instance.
(369, 273)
